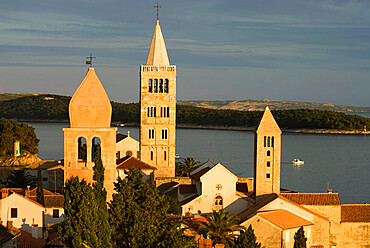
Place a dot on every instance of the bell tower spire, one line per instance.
(158, 108)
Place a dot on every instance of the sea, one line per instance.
(338, 162)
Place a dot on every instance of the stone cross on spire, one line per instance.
(158, 7)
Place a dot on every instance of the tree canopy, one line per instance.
(186, 166)
(246, 239)
(138, 214)
(20, 179)
(300, 239)
(11, 131)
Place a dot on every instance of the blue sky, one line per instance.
(295, 50)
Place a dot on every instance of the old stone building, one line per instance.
(90, 132)
(158, 108)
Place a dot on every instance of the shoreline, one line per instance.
(227, 128)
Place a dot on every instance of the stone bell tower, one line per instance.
(158, 108)
(90, 114)
(267, 156)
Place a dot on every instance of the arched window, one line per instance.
(265, 141)
(96, 149)
(160, 85)
(82, 150)
(166, 86)
(268, 141)
(151, 155)
(218, 202)
(272, 141)
(155, 85)
(164, 133)
(150, 85)
(151, 133)
(268, 153)
(155, 111)
(268, 164)
(148, 111)
(129, 153)
(164, 155)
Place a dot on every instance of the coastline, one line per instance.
(226, 128)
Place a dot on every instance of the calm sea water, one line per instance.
(342, 161)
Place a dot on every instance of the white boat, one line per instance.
(296, 161)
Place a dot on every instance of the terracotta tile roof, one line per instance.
(244, 215)
(194, 222)
(355, 213)
(5, 192)
(133, 163)
(33, 192)
(120, 137)
(6, 235)
(284, 219)
(51, 201)
(187, 189)
(321, 199)
(187, 200)
(166, 186)
(200, 173)
(27, 241)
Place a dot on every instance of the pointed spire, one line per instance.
(90, 105)
(158, 53)
(268, 124)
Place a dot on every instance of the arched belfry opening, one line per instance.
(82, 149)
(96, 148)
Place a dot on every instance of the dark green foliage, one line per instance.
(300, 239)
(247, 239)
(220, 227)
(39, 108)
(81, 219)
(186, 166)
(103, 231)
(138, 213)
(11, 131)
(40, 187)
(20, 179)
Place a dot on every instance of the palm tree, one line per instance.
(220, 227)
(187, 165)
(20, 179)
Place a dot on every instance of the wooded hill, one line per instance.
(46, 107)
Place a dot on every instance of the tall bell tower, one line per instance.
(158, 108)
(267, 151)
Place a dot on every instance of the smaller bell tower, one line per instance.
(267, 151)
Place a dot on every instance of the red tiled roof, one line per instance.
(183, 202)
(200, 173)
(27, 241)
(133, 163)
(51, 201)
(187, 188)
(320, 199)
(284, 219)
(33, 192)
(120, 137)
(355, 213)
(244, 215)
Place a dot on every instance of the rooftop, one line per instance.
(284, 219)
(129, 162)
(321, 199)
(355, 213)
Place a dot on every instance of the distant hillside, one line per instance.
(47, 107)
(254, 105)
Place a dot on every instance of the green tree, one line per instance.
(300, 239)
(186, 166)
(220, 227)
(81, 220)
(138, 213)
(40, 187)
(11, 131)
(20, 179)
(103, 231)
(247, 239)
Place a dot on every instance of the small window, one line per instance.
(160, 85)
(118, 154)
(14, 213)
(168, 112)
(164, 134)
(268, 175)
(268, 153)
(151, 133)
(155, 85)
(166, 86)
(165, 155)
(268, 141)
(268, 164)
(150, 85)
(265, 141)
(218, 201)
(151, 155)
(129, 153)
(55, 213)
(272, 141)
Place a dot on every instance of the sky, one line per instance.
(291, 50)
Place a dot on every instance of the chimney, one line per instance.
(9, 225)
(27, 192)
